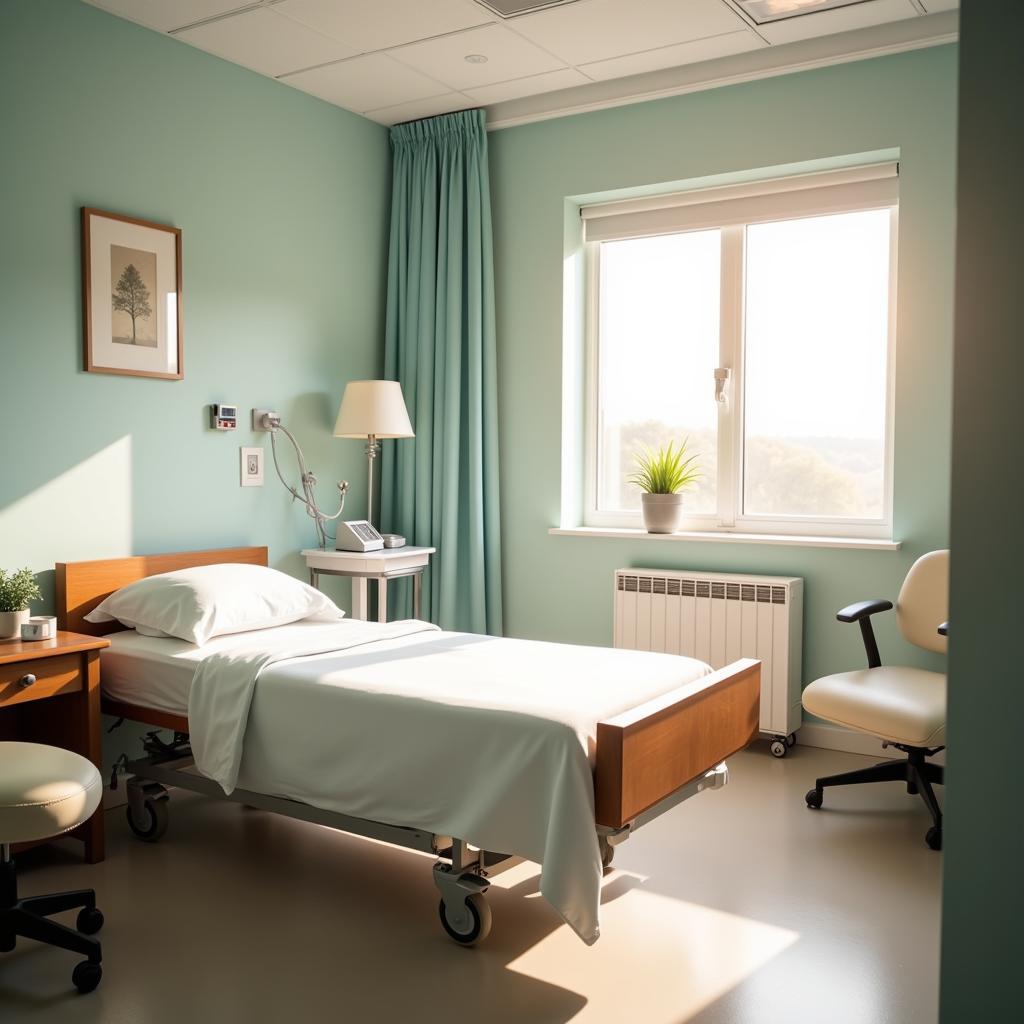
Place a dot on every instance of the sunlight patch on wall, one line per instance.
(84, 513)
(681, 957)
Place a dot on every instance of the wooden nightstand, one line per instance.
(50, 693)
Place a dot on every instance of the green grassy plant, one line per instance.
(665, 470)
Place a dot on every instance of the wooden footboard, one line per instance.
(645, 754)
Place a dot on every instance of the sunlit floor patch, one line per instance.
(659, 960)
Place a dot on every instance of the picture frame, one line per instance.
(132, 296)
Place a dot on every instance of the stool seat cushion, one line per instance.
(44, 791)
(896, 703)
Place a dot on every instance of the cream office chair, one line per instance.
(905, 707)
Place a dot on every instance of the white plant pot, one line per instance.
(10, 624)
(662, 512)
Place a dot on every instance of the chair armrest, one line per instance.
(944, 629)
(862, 609)
(861, 613)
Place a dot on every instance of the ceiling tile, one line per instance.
(599, 29)
(164, 16)
(369, 82)
(674, 56)
(383, 23)
(508, 56)
(842, 19)
(444, 104)
(564, 78)
(265, 42)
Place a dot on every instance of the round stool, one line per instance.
(44, 792)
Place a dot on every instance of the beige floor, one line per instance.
(738, 906)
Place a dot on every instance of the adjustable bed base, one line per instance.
(462, 872)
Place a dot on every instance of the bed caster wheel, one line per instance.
(779, 748)
(933, 837)
(90, 920)
(472, 925)
(813, 798)
(607, 853)
(86, 976)
(154, 823)
(791, 740)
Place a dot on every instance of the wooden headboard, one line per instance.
(82, 585)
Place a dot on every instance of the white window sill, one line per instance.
(725, 537)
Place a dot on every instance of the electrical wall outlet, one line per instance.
(257, 418)
(252, 467)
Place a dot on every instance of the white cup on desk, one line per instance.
(39, 627)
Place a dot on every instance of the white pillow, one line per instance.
(146, 631)
(211, 600)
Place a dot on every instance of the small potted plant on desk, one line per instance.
(663, 475)
(17, 588)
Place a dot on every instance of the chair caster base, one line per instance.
(86, 976)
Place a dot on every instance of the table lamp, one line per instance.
(373, 409)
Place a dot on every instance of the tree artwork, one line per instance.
(131, 296)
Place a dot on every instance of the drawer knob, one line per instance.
(26, 680)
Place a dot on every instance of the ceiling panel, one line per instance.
(596, 30)
(265, 42)
(564, 78)
(380, 24)
(674, 56)
(168, 14)
(416, 109)
(368, 82)
(508, 56)
(842, 19)
(934, 6)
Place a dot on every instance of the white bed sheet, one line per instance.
(491, 740)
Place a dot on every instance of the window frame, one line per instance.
(730, 517)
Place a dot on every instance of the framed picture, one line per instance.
(131, 303)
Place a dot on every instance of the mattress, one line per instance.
(156, 672)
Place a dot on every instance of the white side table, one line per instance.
(388, 564)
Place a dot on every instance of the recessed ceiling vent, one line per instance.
(513, 8)
(764, 12)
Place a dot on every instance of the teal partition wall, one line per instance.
(560, 587)
(282, 201)
(983, 896)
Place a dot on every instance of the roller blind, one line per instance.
(800, 195)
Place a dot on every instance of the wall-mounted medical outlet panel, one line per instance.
(223, 417)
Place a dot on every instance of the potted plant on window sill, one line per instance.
(17, 589)
(662, 475)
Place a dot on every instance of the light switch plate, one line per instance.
(251, 466)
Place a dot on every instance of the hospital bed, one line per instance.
(640, 760)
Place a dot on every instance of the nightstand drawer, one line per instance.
(56, 675)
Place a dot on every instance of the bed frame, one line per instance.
(647, 760)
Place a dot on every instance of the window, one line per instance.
(789, 287)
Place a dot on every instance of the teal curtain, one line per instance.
(441, 488)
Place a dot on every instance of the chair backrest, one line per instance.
(923, 604)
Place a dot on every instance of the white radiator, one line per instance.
(717, 618)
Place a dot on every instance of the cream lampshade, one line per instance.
(373, 409)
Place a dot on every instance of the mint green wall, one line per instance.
(560, 587)
(283, 202)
